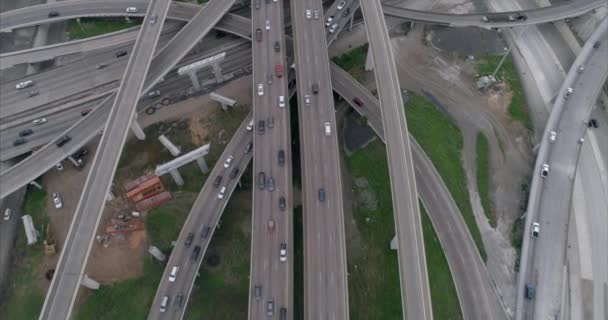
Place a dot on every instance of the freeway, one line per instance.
(325, 280)
(339, 17)
(567, 9)
(543, 259)
(201, 223)
(415, 293)
(63, 290)
(272, 226)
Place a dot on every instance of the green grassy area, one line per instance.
(374, 291)
(443, 143)
(353, 62)
(90, 27)
(446, 305)
(164, 223)
(483, 177)
(518, 109)
(25, 295)
(222, 292)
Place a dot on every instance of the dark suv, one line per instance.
(261, 127)
(195, 253)
(281, 157)
(121, 53)
(62, 141)
(321, 194)
(261, 180)
(189, 239)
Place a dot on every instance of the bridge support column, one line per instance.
(137, 130)
(89, 282)
(369, 62)
(202, 164)
(217, 71)
(74, 162)
(394, 245)
(177, 177)
(36, 184)
(350, 24)
(175, 150)
(195, 83)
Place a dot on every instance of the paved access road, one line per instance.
(543, 259)
(273, 276)
(325, 280)
(64, 287)
(205, 214)
(415, 293)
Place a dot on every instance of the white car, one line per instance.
(316, 14)
(333, 28)
(39, 121)
(544, 172)
(222, 192)
(568, 93)
(7, 214)
(228, 161)
(281, 101)
(250, 126)
(173, 274)
(329, 20)
(307, 100)
(153, 93)
(57, 200)
(131, 10)
(327, 129)
(535, 230)
(24, 84)
(283, 252)
(341, 5)
(552, 136)
(308, 14)
(260, 89)
(267, 25)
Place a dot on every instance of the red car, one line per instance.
(279, 70)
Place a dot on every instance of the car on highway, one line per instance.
(270, 225)
(281, 157)
(544, 171)
(277, 46)
(530, 291)
(270, 308)
(7, 214)
(101, 66)
(257, 291)
(257, 4)
(358, 102)
(217, 181)
(57, 200)
(32, 93)
(261, 126)
(153, 93)
(163, 304)
(308, 14)
(552, 136)
(341, 5)
(333, 28)
(283, 252)
(120, 53)
(316, 14)
(189, 239)
(220, 195)
(258, 34)
(228, 161)
(19, 141)
(267, 25)
(278, 70)
(535, 230)
(131, 10)
(580, 69)
(153, 19)
(568, 93)
(85, 112)
(261, 180)
(283, 314)
(315, 88)
(282, 203)
(321, 194)
(327, 129)
(234, 173)
(260, 89)
(271, 184)
(39, 121)
(249, 147)
(307, 100)
(205, 232)
(269, 78)
(250, 125)
(195, 253)
(179, 301)
(53, 14)
(593, 123)
(596, 45)
(25, 132)
(24, 84)
(281, 101)
(63, 140)
(270, 122)
(346, 12)
(173, 274)
(329, 20)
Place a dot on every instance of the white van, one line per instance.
(281, 101)
(327, 129)
(7, 214)
(222, 192)
(24, 84)
(173, 274)
(164, 303)
(250, 125)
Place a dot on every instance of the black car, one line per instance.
(217, 181)
(277, 46)
(84, 112)
(596, 45)
(53, 14)
(19, 142)
(281, 157)
(315, 88)
(346, 12)
(261, 180)
(592, 123)
(121, 53)
(234, 173)
(219, 34)
(321, 194)
(63, 140)
(283, 314)
(195, 253)
(189, 239)
(248, 147)
(179, 300)
(261, 127)
(205, 232)
(26, 132)
(282, 203)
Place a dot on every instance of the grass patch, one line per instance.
(91, 27)
(518, 109)
(354, 62)
(25, 295)
(483, 177)
(443, 143)
(374, 291)
(443, 291)
(223, 292)
(164, 223)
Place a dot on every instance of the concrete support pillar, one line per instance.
(73, 161)
(137, 130)
(194, 78)
(175, 150)
(369, 63)
(350, 24)
(217, 71)
(202, 164)
(177, 177)
(36, 184)
(89, 282)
